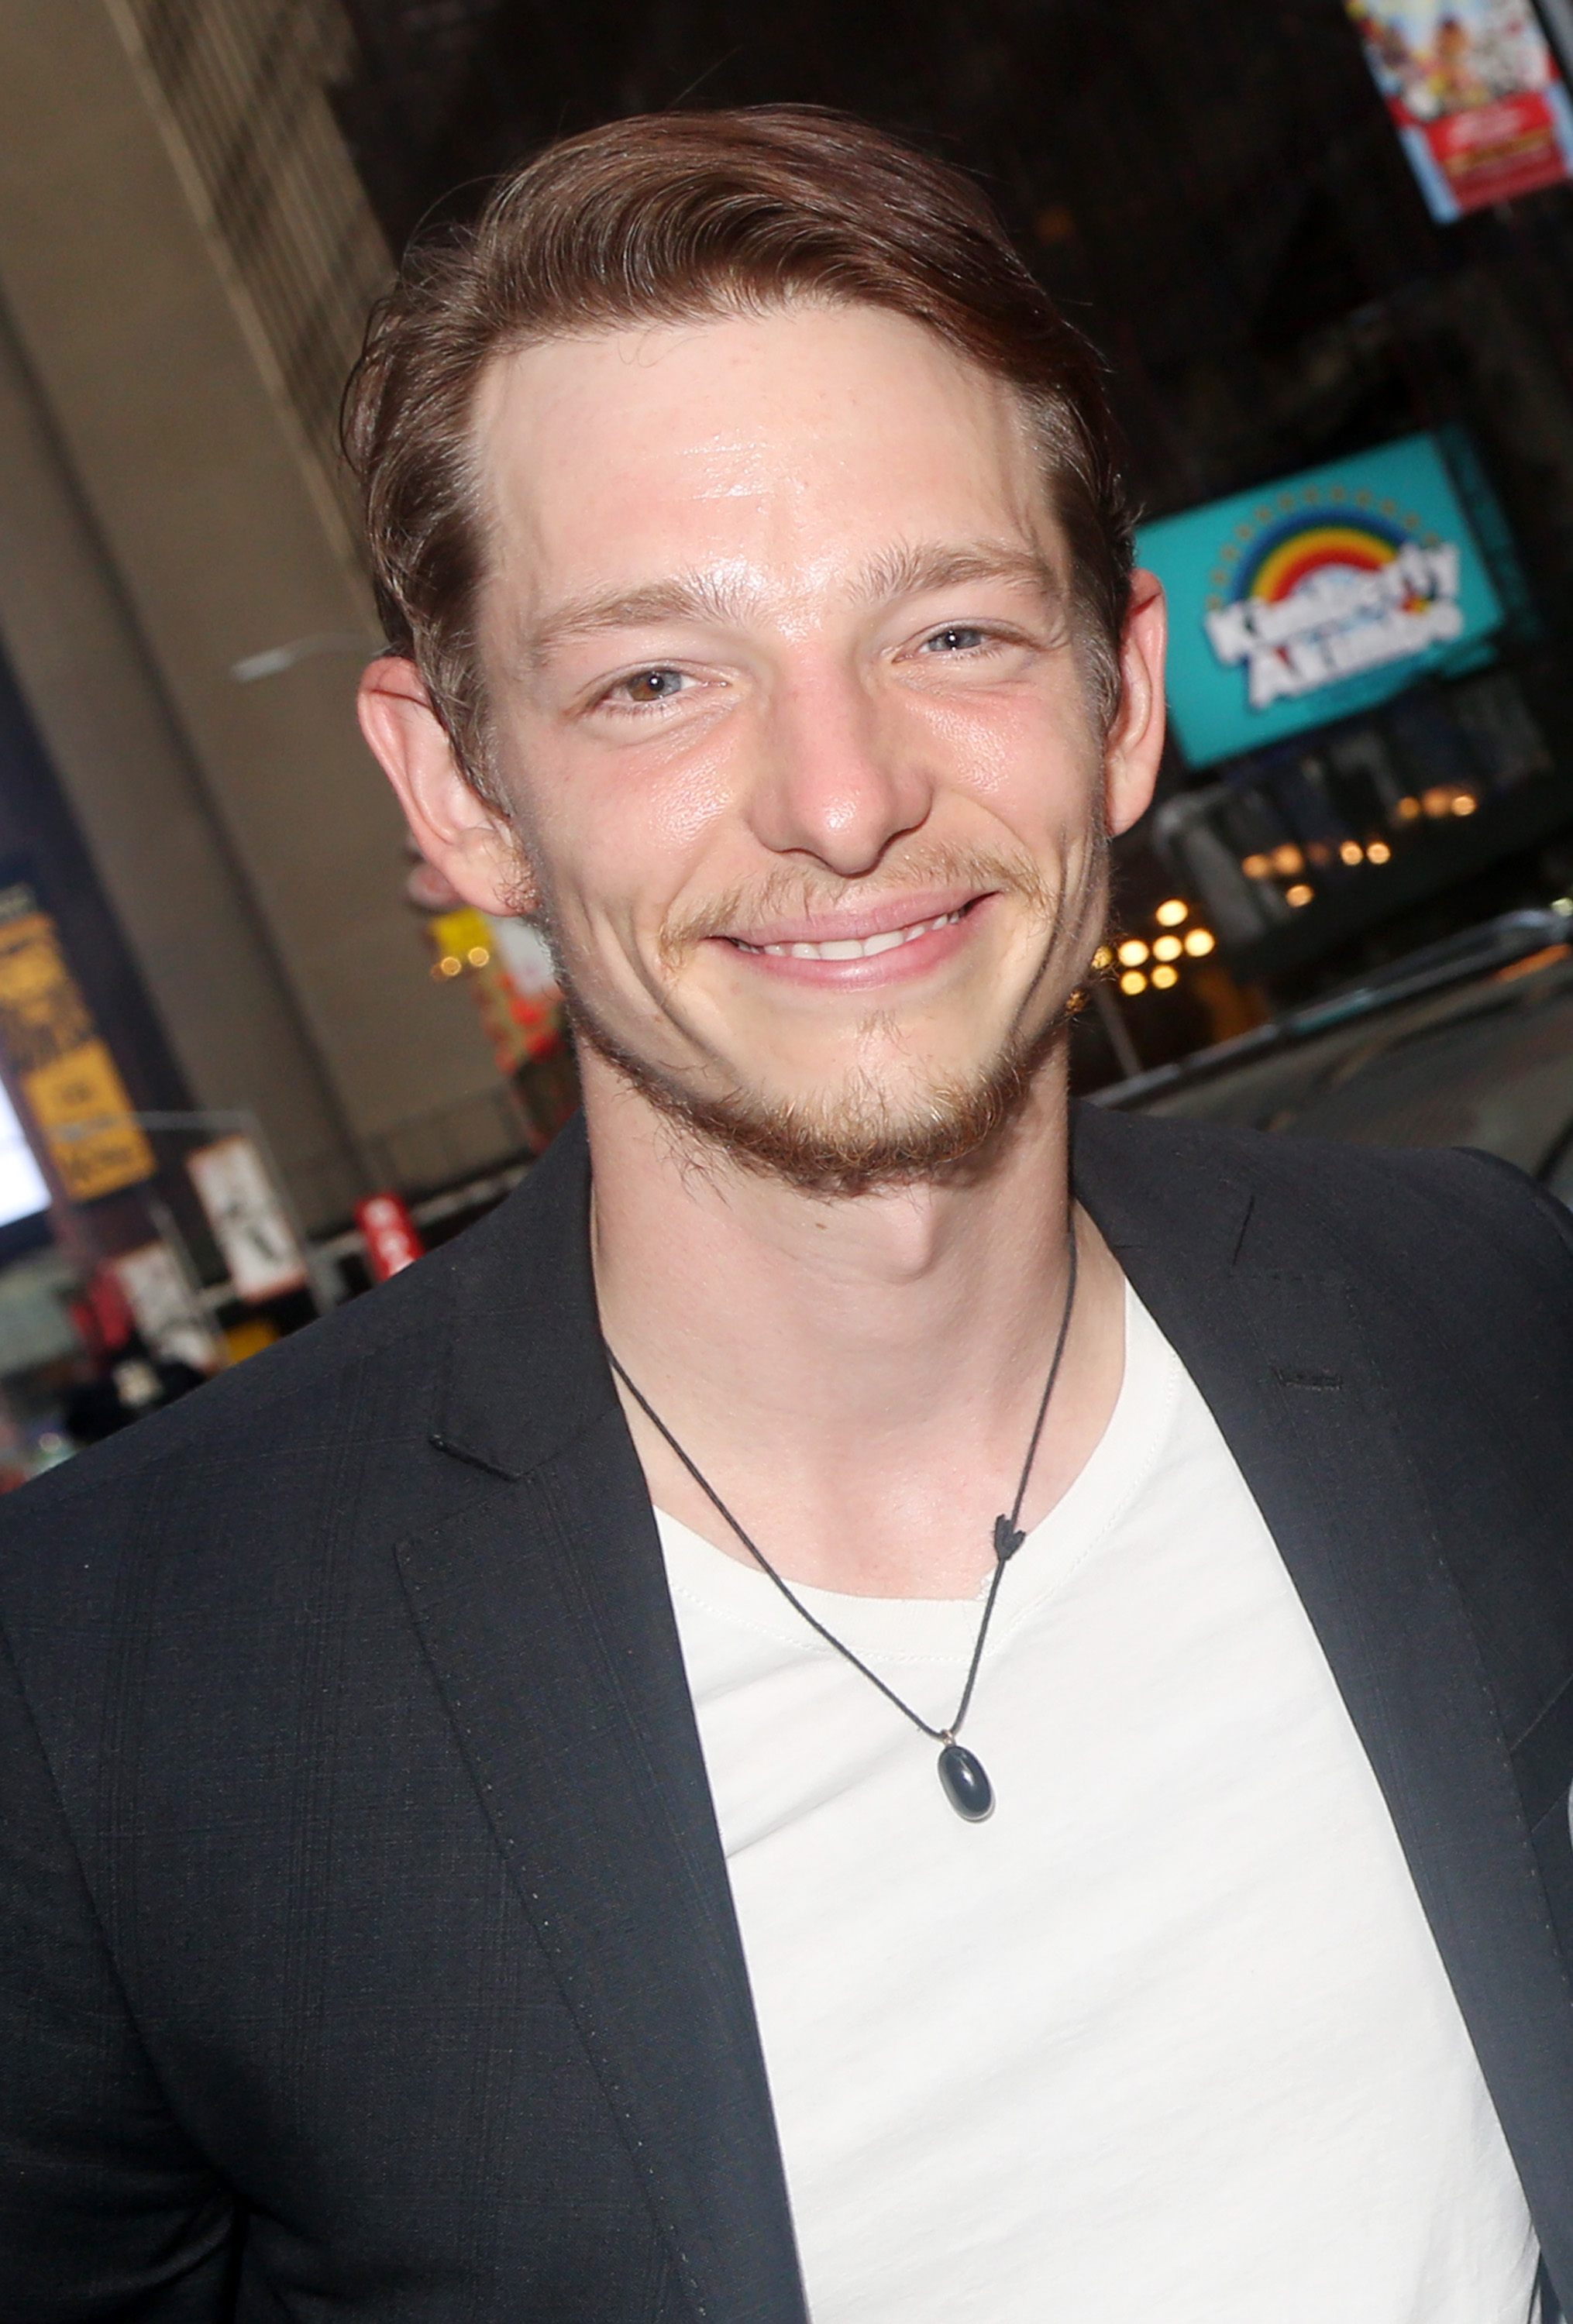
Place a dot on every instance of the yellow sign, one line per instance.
(458, 935)
(69, 1078)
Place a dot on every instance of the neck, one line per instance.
(855, 1375)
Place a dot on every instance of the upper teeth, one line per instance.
(854, 947)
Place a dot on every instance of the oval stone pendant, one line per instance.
(967, 1787)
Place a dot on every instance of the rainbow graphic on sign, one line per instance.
(1316, 596)
(1299, 546)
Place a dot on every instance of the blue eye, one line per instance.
(957, 640)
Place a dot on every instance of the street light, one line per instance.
(274, 659)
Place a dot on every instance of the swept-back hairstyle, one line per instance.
(668, 218)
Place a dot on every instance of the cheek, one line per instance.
(1031, 760)
(623, 844)
(675, 808)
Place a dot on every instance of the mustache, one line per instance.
(804, 889)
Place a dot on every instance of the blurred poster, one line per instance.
(511, 973)
(168, 1314)
(250, 1223)
(511, 976)
(1318, 596)
(1474, 96)
(70, 1080)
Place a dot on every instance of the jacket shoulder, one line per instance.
(339, 1417)
(1373, 1208)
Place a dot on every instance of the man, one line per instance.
(803, 1724)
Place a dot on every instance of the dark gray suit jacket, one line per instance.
(368, 1946)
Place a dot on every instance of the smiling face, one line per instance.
(787, 708)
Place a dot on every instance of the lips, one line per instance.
(854, 947)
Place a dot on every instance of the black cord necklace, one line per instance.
(965, 1784)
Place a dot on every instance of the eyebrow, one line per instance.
(683, 598)
(912, 572)
(905, 572)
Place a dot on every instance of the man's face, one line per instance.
(786, 708)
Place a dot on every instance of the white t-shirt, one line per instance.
(1168, 2037)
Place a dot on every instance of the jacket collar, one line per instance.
(525, 1370)
(541, 1602)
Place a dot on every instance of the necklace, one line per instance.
(962, 1777)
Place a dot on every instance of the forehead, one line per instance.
(785, 443)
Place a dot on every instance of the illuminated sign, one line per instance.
(22, 1192)
(1318, 596)
(69, 1081)
(1474, 95)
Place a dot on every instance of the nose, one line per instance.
(838, 779)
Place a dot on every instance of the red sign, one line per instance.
(392, 1237)
(1498, 151)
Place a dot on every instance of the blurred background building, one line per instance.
(1329, 380)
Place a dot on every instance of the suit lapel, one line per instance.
(543, 1608)
(1278, 1348)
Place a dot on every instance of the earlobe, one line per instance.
(467, 840)
(1134, 749)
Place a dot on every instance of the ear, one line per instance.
(471, 843)
(1135, 740)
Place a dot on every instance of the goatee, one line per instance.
(947, 1130)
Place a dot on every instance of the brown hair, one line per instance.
(670, 217)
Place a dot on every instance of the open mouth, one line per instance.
(856, 947)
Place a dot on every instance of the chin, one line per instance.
(863, 1135)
